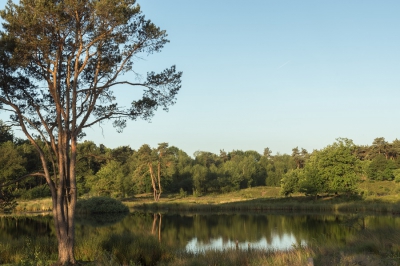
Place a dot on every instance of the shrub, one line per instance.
(100, 205)
(182, 193)
(42, 191)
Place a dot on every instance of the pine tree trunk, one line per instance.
(66, 252)
(64, 197)
(64, 226)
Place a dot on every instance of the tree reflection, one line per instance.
(155, 228)
(257, 230)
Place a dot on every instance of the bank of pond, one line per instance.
(209, 238)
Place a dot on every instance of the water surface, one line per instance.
(208, 231)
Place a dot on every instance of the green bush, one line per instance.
(100, 205)
(182, 193)
(38, 192)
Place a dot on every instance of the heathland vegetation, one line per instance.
(151, 238)
(342, 168)
(61, 62)
(341, 177)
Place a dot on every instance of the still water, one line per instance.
(200, 232)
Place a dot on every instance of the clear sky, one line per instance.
(268, 73)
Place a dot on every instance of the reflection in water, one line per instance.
(155, 228)
(200, 232)
(284, 242)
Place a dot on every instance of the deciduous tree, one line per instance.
(12, 166)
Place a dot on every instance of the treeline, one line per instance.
(123, 172)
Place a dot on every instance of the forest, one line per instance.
(124, 172)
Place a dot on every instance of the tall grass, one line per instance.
(29, 251)
(367, 248)
(247, 257)
(38, 205)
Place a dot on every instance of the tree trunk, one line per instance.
(153, 182)
(64, 214)
(159, 180)
(66, 252)
(64, 197)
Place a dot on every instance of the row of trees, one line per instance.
(339, 167)
(123, 172)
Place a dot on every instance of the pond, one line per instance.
(199, 232)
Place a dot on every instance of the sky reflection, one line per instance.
(284, 242)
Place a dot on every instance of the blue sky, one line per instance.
(275, 74)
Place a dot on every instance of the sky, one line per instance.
(267, 73)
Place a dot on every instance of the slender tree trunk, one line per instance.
(153, 228)
(159, 180)
(159, 228)
(153, 181)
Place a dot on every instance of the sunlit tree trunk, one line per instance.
(159, 179)
(153, 182)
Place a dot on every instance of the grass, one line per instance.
(127, 248)
(381, 197)
(39, 205)
(368, 247)
(378, 196)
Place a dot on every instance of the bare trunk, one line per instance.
(159, 180)
(153, 182)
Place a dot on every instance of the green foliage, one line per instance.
(7, 201)
(100, 205)
(5, 133)
(123, 172)
(34, 253)
(276, 167)
(333, 169)
(37, 192)
(312, 182)
(199, 175)
(11, 167)
(12, 162)
(381, 169)
(396, 174)
(90, 159)
(111, 180)
(290, 182)
(182, 193)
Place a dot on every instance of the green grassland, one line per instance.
(367, 248)
(372, 196)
